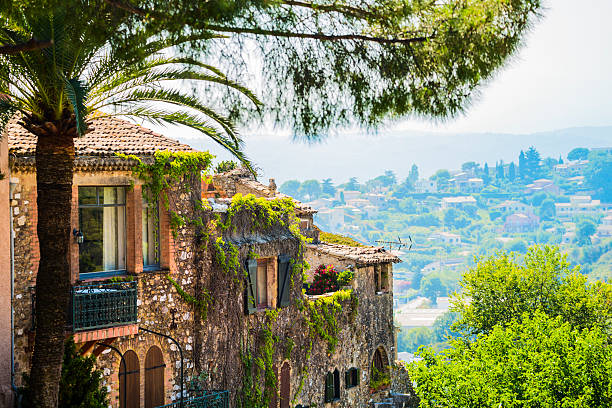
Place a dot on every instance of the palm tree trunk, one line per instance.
(54, 171)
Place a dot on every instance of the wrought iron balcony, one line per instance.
(210, 399)
(102, 305)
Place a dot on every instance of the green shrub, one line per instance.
(345, 277)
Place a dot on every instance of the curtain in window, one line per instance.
(150, 234)
(114, 229)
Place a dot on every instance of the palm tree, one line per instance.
(53, 90)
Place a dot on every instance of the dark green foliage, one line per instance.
(511, 172)
(80, 382)
(424, 220)
(532, 164)
(584, 230)
(310, 189)
(413, 176)
(455, 218)
(502, 287)
(291, 188)
(486, 177)
(352, 184)
(547, 209)
(225, 166)
(598, 172)
(579, 153)
(327, 187)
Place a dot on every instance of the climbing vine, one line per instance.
(260, 382)
(199, 305)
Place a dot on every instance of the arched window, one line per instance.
(352, 377)
(129, 381)
(285, 385)
(154, 378)
(380, 376)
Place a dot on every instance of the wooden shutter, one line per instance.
(129, 381)
(251, 290)
(347, 378)
(154, 378)
(285, 385)
(284, 281)
(357, 376)
(336, 384)
(329, 387)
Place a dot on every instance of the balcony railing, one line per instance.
(210, 399)
(101, 305)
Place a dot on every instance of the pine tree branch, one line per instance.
(30, 45)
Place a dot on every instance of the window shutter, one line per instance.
(357, 374)
(347, 378)
(251, 290)
(284, 281)
(329, 387)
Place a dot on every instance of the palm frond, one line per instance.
(76, 91)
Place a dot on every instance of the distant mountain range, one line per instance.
(356, 155)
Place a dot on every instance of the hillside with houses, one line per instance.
(453, 216)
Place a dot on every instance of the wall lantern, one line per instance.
(78, 236)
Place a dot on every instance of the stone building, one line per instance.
(213, 305)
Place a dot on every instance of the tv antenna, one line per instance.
(399, 243)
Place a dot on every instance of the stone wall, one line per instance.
(215, 343)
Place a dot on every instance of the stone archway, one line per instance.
(129, 388)
(380, 374)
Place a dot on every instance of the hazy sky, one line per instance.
(561, 78)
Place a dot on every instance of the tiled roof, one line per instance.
(106, 137)
(360, 255)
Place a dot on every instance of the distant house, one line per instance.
(357, 202)
(605, 229)
(446, 238)
(571, 168)
(425, 186)
(375, 198)
(542, 186)
(371, 210)
(347, 194)
(578, 205)
(447, 264)
(332, 218)
(568, 237)
(457, 202)
(475, 185)
(519, 222)
(514, 206)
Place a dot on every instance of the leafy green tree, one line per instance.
(522, 165)
(413, 176)
(579, 153)
(54, 91)
(511, 171)
(533, 361)
(503, 287)
(538, 199)
(598, 172)
(516, 245)
(352, 185)
(381, 60)
(584, 230)
(470, 167)
(327, 187)
(499, 170)
(486, 177)
(310, 189)
(80, 384)
(291, 188)
(455, 218)
(432, 288)
(390, 178)
(560, 160)
(547, 209)
(441, 177)
(532, 163)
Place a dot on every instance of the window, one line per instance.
(269, 283)
(150, 235)
(381, 277)
(332, 386)
(352, 377)
(129, 380)
(102, 223)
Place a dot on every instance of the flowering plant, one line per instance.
(325, 280)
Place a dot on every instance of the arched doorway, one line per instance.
(129, 387)
(154, 378)
(274, 397)
(380, 376)
(285, 385)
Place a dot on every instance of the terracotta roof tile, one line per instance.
(106, 137)
(361, 255)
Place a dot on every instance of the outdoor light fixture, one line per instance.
(78, 236)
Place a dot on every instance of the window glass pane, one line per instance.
(87, 195)
(150, 234)
(262, 283)
(103, 228)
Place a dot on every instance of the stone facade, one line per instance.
(197, 300)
